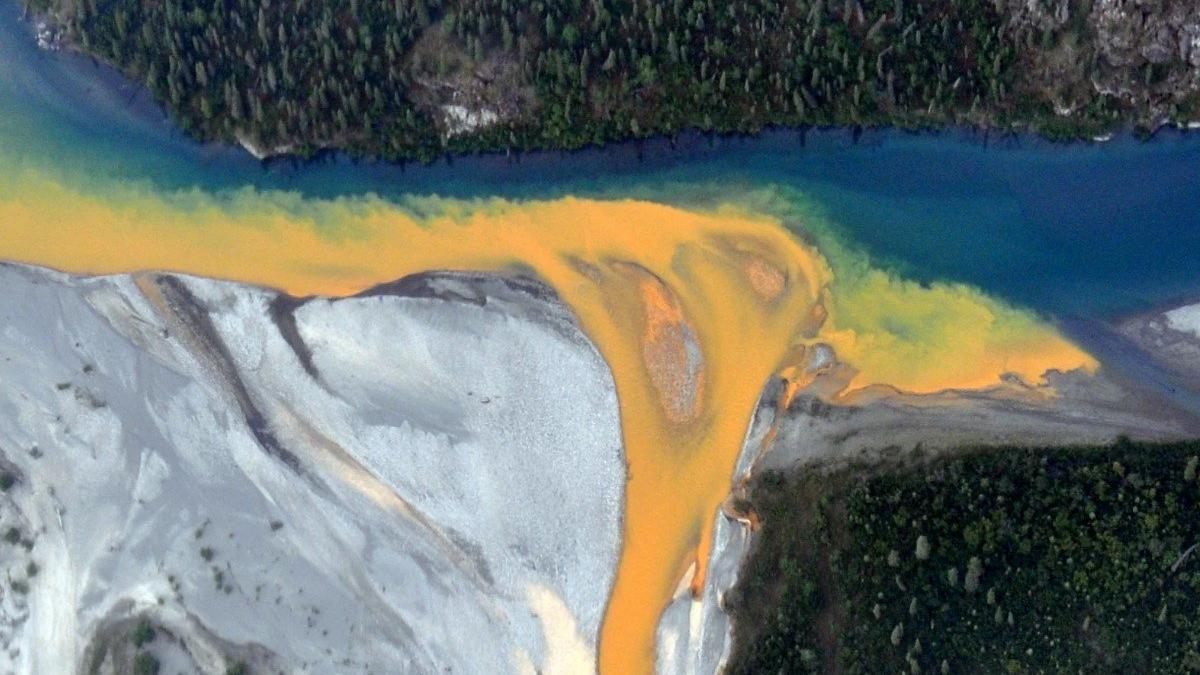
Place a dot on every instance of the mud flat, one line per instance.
(1076, 408)
(1144, 388)
(1169, 337)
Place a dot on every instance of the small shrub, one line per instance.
(7, 480)
(145, 664)
(143, 634)
(207, 553)
(12, 535)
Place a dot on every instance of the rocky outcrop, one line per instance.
(1142, 55)
(1149, 53)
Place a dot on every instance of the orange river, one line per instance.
(692, 310)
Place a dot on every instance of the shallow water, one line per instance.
(678, 261)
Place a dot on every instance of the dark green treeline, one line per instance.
(375, 76)
(998, 560)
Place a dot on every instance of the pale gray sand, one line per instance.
(452, 474)
(427, 477)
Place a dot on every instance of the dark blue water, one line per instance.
(1083, 230)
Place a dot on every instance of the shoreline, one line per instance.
(905, 409)
(844, 433)
(144, 105)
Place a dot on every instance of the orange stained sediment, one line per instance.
(692, 311)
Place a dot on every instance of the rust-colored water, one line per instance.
(693, 311)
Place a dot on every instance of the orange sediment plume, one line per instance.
(692, 311)
(680, 466)
(689, 325)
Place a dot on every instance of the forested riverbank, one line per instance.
(995, 560)
(420, 78)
